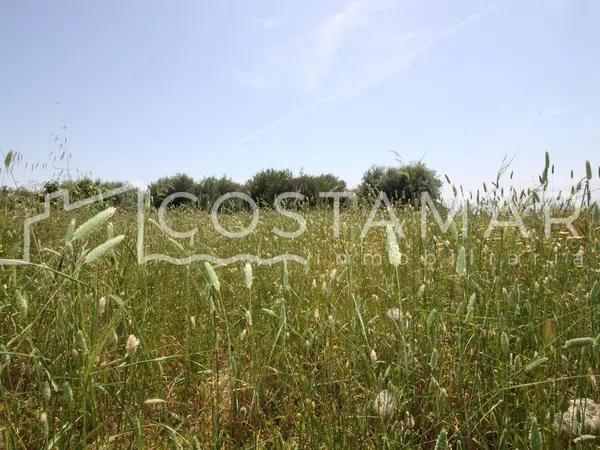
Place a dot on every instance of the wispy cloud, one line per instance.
(302, 62)
(394, 63)
(314, 64)
(331, 34)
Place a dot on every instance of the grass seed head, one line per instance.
(394, 314)
(103, 249)
(81, 343)
(132, 345)
(21, 302)
(212, 276)
(101, 305)
(384, 404)
(394, 254)
(535, 437)
(248, 277)
(44, 428)
(442, 440)
(461, 262)
(88, 227)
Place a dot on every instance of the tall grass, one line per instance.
(465, 349)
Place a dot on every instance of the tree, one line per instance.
(86, 188)
(210, 189)
(371, 181)
(402, 184)
(163, 187)
(311, 185)
(421, 178)
(267, 184)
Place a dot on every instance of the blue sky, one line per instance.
(208, 88)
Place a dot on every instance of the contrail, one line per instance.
(441, 36)
(273, 124)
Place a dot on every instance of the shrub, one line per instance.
(267, 184)
(163, 187)
(311, 185)
(403, 184)
(86, 187)
(211, 188)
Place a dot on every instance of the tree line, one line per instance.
(402, 184)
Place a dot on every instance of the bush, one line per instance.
(421, 179)
(311, 185)
(86, 188)
(401, 184)
(267, 184)
(211, 188)
(163, 187)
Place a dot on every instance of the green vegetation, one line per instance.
(402, 184)
(443, 340)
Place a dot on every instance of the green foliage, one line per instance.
(401, 184)
(311, 185)
(267, 184)
(163, 187)
(209, 189)
(97, 350)
(86, 188)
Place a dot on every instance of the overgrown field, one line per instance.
(109, 353)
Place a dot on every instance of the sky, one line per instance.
(143, 89)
